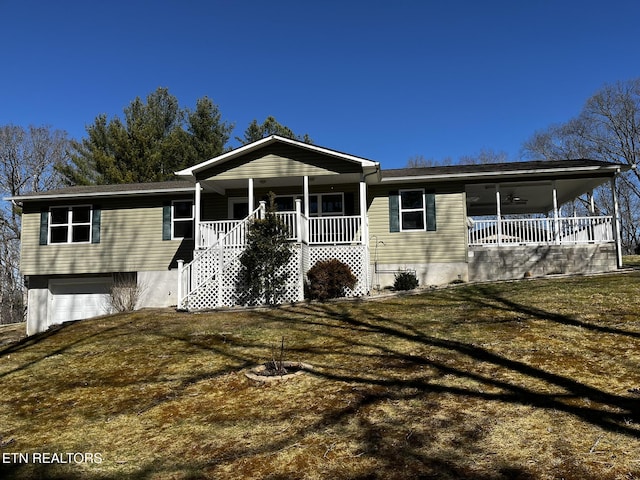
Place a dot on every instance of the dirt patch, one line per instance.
(268, 373)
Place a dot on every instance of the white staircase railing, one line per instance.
(207, 266)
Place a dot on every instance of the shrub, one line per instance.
(330, 279)
(124, 292)
(405, 281)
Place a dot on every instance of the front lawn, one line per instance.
(535, 379)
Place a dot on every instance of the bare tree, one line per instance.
(28, 163)
(607, 128)
(486, 155)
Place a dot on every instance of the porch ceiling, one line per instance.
(526, 196)
(221, 186)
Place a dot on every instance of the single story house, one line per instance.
(179, 241)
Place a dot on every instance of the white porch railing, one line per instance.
(531, 231)
(342, 230)
(335, 230)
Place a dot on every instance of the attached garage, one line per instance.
(78, 298)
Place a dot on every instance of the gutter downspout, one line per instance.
(365, 225)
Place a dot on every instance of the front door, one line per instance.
(238, 208)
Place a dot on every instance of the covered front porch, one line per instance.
(536, 227)
(213, 278)
(320, 195)
(540, 212)
(313, 210)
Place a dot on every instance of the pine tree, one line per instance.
(264, 275)
(270, 126)
(155, 139)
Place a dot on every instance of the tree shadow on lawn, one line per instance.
(609, 411)
(600, 408)
(53, 333)
(615, 413)
(408, 459)
(481, 295)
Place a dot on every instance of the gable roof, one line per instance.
(267, 141)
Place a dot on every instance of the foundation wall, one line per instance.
(514, 262)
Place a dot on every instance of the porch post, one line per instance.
(556, 222)
(498, 216)
(305, 194)
(616, 222)
(298, 220)
(250, 194)
(198, 239)
(364, 227)
(300, 239)
(220, 270)
(592, 203)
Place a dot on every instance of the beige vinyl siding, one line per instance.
(445, 245)
(271, 166)
(130, 240)
(279, 161)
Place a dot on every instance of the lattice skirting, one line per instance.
(227, 289)
(235, 292)
(356, 256)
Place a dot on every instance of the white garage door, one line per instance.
(77, 299)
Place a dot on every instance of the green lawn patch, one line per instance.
(532, 379)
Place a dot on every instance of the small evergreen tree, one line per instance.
(263, 274)
(405, 281)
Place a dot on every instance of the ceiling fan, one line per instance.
(513, 199)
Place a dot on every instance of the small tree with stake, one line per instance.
(264, 260)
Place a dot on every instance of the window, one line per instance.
(182, 219)
(412, 211)
(326, 204)
(285, 203)
(70, 224)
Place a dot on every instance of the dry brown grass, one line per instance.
(533, 379)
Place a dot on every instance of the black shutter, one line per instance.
(394, 211)
(430, 198)
(166, 221)
(95, 224)
(44, 226)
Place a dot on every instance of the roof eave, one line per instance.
(610, 170)
(97, 194)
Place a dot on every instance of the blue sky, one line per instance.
(386, 80)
